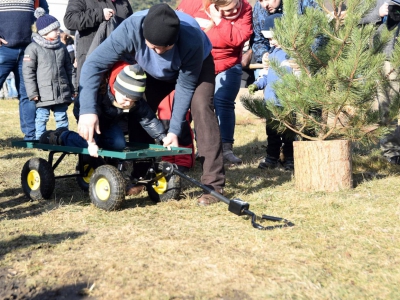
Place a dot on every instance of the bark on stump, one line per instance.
(323, 165)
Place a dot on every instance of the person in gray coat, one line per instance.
(48, 73)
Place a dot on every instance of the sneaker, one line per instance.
(268, 162)
(52, 137)
(395, 160)
(288, 164)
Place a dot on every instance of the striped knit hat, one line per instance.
(131, 82)
(45, 23)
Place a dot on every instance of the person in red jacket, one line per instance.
(228, 25)
(186, 161)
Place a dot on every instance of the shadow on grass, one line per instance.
(43, 241)
(7, 142)
(34, 209)
(11, 192)
(77, 291)
(29, 154)
(17, 288)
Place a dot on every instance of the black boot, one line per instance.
(52, 137)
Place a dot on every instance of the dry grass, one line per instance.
(344, 245)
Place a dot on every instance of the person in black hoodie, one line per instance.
(85, 16)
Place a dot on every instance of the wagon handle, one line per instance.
(236, 206)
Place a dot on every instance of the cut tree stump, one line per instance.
(323, 165)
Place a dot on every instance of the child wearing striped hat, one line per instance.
(123, 93)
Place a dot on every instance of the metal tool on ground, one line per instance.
(236, 206)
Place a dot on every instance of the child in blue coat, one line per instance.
(275, 140)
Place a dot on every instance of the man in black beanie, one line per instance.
(176, 55)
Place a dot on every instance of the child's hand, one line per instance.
(93, 149)
(265, 60)
(3, 42)
(171, 140)
(215, 14)
(35, 99)
(252, 88)
(384, 10)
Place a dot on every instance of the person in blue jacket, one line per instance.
(262, 9)
(16, 19)
(176, 55)
(275, 140)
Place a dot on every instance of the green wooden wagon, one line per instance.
(102, 177)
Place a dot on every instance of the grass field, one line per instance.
(343, 245)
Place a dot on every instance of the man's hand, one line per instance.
(252, 88)
(171, 140)
(3, 42)
(87, 125)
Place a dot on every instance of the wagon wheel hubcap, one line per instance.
(103, 189)
(87, 178)
(33, 179)
(160, 186)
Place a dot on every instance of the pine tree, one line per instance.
(341, 68)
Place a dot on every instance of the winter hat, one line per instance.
(131, 81)
(269, 25)
(161, 25)
(45, 23)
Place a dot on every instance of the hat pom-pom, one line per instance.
(39, 12)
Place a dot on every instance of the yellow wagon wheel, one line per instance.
(166, 188)
(107, 188)
(37, 179)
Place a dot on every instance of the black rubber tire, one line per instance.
(37, 179)
(169, 188)
(107, 188)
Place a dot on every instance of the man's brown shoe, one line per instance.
(133, 189)
(207, 199)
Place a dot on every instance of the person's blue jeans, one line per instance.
(43, 116)
(227, 85)
(12, 90)
(111, 138)
(11, 60)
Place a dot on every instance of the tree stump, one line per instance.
(323, 165)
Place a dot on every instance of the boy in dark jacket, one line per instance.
(123, 94)
(48, 73)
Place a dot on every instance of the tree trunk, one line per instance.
(323, 165)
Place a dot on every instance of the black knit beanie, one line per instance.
(161, 25)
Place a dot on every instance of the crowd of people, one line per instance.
(118, 58)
